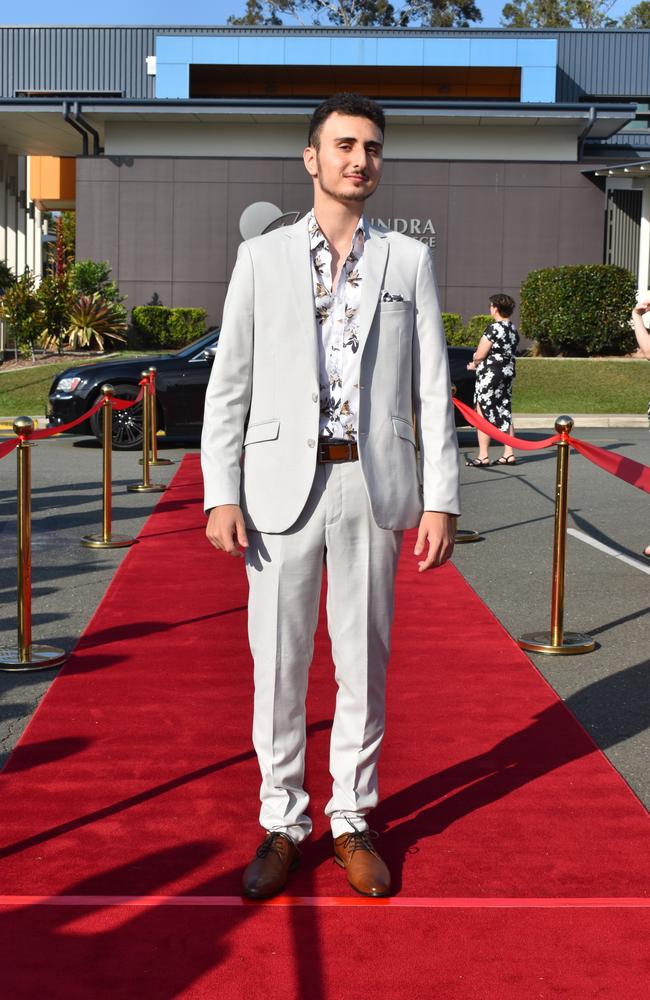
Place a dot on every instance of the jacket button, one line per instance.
(311, 443)
(314, 397)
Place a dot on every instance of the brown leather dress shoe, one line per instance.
(366, 871)
(268, 872)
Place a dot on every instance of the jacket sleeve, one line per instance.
(432, 398)
(228, 395)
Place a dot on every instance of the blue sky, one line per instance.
(190, 12)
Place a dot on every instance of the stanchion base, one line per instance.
(464, 535)
(41, 658)
(572, 643)
(99, 542)
(158, 461)
(141, 488)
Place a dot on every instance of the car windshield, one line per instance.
(209, 338)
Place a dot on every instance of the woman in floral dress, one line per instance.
(494, 363)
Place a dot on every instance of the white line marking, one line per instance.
(580, 535)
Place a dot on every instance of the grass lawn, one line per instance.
(543, 385)
(24, 391)
(580, 385)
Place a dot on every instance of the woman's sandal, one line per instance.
(478, 463)
(510, 460)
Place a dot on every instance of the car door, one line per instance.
(190, 392)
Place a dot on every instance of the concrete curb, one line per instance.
(530, 421)
(522, 421)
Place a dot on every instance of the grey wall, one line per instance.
(599, 62)
(171, 226)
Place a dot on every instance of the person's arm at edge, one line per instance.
(640, 332)
(480, 354)
(435, 422)
(227, 401)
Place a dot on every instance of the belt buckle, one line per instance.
(324, 454)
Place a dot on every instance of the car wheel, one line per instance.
(127, 424)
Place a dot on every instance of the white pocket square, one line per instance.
(392, 297)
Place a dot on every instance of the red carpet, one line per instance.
(520, 855)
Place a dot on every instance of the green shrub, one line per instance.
(93, 319)
(7, 276)
(454, 330)
(579, 310)
(186, 325)
(21, 311)
(161, 327)
(476, 328)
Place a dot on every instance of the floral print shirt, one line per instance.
(337, 315)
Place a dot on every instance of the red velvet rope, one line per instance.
(626, 469)
(48, 432)
(126, 404)
(118, 404)
(623, 468)
(477, 420)
(8, 446)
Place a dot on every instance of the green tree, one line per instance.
(55, 292)
(21, 310)
(56, 297)
(7, 276)
(638, 16)
(558, 14)
(362, 13)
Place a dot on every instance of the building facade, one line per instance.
(506, 151)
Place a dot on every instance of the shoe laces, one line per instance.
(360, 840)
(273, 843)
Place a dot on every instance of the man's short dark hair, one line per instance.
(355, 105)
(503, 303)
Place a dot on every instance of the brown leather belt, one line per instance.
(337, 451)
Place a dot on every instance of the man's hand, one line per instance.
(226, 529)
(439, 530)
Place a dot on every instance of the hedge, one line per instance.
(454, 329)
(161, 326)
(476, 328)
(459, 335)
(579, 310)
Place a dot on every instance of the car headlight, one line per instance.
(69, 384)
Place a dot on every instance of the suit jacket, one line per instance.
(263, 394)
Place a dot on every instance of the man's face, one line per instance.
(347, 165)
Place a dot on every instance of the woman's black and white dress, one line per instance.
(494, 375)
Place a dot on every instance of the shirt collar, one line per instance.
(317, 238)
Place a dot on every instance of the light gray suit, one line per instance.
(263, 398)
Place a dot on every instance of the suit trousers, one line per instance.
(336, 527)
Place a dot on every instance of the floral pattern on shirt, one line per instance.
(337, 314)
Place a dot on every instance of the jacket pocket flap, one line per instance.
(265, 430)
(404, 429)
(397, 305)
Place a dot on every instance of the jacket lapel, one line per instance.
(375, 258)
(299, 265)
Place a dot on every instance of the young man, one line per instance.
(331, 342)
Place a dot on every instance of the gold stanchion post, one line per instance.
(146, 486)
(155, 460)
(26, 656)
(557, 640)
(107, 540)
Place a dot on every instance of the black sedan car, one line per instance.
(181, 382)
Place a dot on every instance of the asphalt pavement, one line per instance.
(606, 596)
